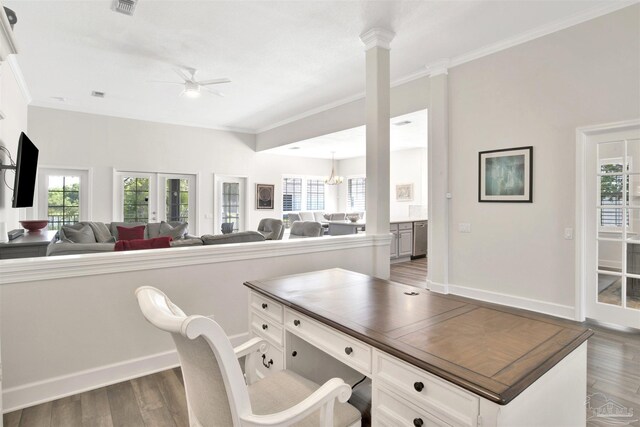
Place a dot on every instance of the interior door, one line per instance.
(612, 229)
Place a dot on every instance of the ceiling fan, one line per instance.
(192, 87)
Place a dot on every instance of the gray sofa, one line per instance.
(241, 237)
(88, 237)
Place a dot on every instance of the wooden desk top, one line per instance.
(491, 350)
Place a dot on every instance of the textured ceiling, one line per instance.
(283, 57)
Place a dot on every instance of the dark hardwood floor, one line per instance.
(158, 400)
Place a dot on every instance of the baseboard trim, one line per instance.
(558, 310)
(440, 288)
(26, 395)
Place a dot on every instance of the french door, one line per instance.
(155, 197)
(612, 229)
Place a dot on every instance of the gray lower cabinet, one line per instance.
(401, 240)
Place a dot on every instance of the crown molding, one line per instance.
(439, 67)
(12, 60)
(75, 109)
(542, 31)
(8, 44)
(377, 37)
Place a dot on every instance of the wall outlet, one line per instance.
(568, 233)
(464, 227)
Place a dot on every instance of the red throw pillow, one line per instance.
(131, 233)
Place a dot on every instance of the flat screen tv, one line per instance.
(26, 167)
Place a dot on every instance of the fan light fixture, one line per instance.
(333, 178)
(191, 90)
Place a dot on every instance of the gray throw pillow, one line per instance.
(176, 233)
(82, 235)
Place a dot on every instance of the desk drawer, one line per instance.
(453, 405)
(405, 226)
(341, 346)
(269, 308)
(266, 328)
(391, 411)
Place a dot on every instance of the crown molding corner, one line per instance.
(12, 60)
(377, 37)
(439, 67)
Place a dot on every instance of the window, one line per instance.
(356, 194)
(62, 196)
(136, 199)
(291, 194)
(315, 194)
(177, 195)
(231, 203)
(63, 200)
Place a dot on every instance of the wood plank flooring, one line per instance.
(159, 400)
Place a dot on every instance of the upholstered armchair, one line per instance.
(305, 229)
(271, 228)
(217, 393)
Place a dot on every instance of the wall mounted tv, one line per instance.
(26, 168)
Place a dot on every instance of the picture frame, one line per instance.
(404, 192)
(264, 196)
(506, 175)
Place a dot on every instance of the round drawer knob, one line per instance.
(418, 385)
(296, 322)
(418, 422)
(265, 326)
(264, 305)
(348, 350)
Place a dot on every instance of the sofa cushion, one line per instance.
(186, 242)
(115, 225)
(176, 233)
(62, 248)
(101, 231)
(131, 233)
(242, 237)
(77, 233)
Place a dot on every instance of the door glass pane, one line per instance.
(610, 220)
(610, 255)
(633, 293)
(609, 289)
(136, 199)
(610, 153)
(231, 204)
(177, 201)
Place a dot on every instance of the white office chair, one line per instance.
(217, 394)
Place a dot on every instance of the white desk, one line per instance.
(545, 385)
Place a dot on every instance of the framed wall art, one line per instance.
(264, 196)
(404, 192)
(506, 175)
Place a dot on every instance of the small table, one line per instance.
(31, 244)
(340, 228)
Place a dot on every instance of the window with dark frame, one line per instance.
(315, 194)
(63, 207)
(231, 203)
(356, 194)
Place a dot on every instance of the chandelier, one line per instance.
(333, 178)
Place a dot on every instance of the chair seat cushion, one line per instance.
(284, 389)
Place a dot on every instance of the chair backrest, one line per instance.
(307, 216)
(215, 387)
(293, 217)
(305, 229)
(271, 228)
(338, 216)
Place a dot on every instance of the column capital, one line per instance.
(377, 37)
(438, 67)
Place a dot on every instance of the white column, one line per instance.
(438, 158)
(378, 88)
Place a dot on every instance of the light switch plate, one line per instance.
(568, 233)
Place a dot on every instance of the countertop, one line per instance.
(401, 220)
(491, 350)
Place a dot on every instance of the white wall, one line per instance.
(406, 167)
(70, 139)
(95, 334)
(534, 94)
(14, 107)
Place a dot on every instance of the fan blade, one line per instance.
(214, 82)
(163, 81)
(213, 91)
(184, 75)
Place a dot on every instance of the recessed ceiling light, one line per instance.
(97, 94)
(294, 148)
(402, 123)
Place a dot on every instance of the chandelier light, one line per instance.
(333, 178)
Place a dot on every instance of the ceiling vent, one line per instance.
(97, 94)
(126, 7)
(403, 123)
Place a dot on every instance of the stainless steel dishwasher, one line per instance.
(419, 239)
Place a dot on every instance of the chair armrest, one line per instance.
(256, 344)
(322, 399)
